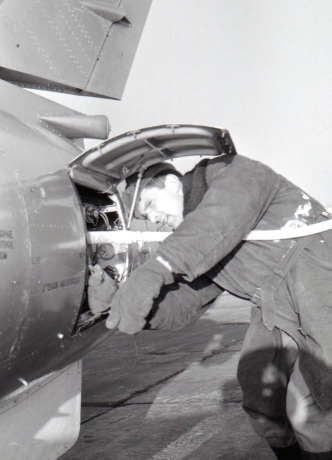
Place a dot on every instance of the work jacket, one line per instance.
(290, 280)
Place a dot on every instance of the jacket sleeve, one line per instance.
(180, 304)
(238, 194)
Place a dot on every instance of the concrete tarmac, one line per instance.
(169, 395)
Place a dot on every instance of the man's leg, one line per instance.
(263, 376)
(312, 426)
(277, 399)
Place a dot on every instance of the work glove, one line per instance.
(134, 299)
(101, 289)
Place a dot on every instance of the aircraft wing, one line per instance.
(78, 46)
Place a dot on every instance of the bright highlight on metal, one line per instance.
(79, 126)
(129, 237)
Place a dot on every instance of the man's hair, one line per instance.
(154, 176)
(158, 181)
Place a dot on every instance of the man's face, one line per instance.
(163, 205)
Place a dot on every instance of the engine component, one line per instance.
(91, 215)
(106, 251)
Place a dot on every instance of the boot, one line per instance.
(316, 455)
(292, 452)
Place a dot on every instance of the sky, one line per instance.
(260, 68)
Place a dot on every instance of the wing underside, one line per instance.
(78, 46)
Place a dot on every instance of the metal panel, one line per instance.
(7, 34)
(57, 246)
(43, 243)
(43, 236)
(112, 69)
(57, 41)
(121, 156)
(60, 44)
(39, 112)
(14, 256)
(43, 421)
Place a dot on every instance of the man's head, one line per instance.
(160, 196)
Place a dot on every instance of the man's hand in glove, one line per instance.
(101, 289)
(134, 299)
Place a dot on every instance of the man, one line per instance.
(285, 368)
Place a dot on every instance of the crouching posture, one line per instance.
(285, 368)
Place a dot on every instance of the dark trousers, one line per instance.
(275, 396)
